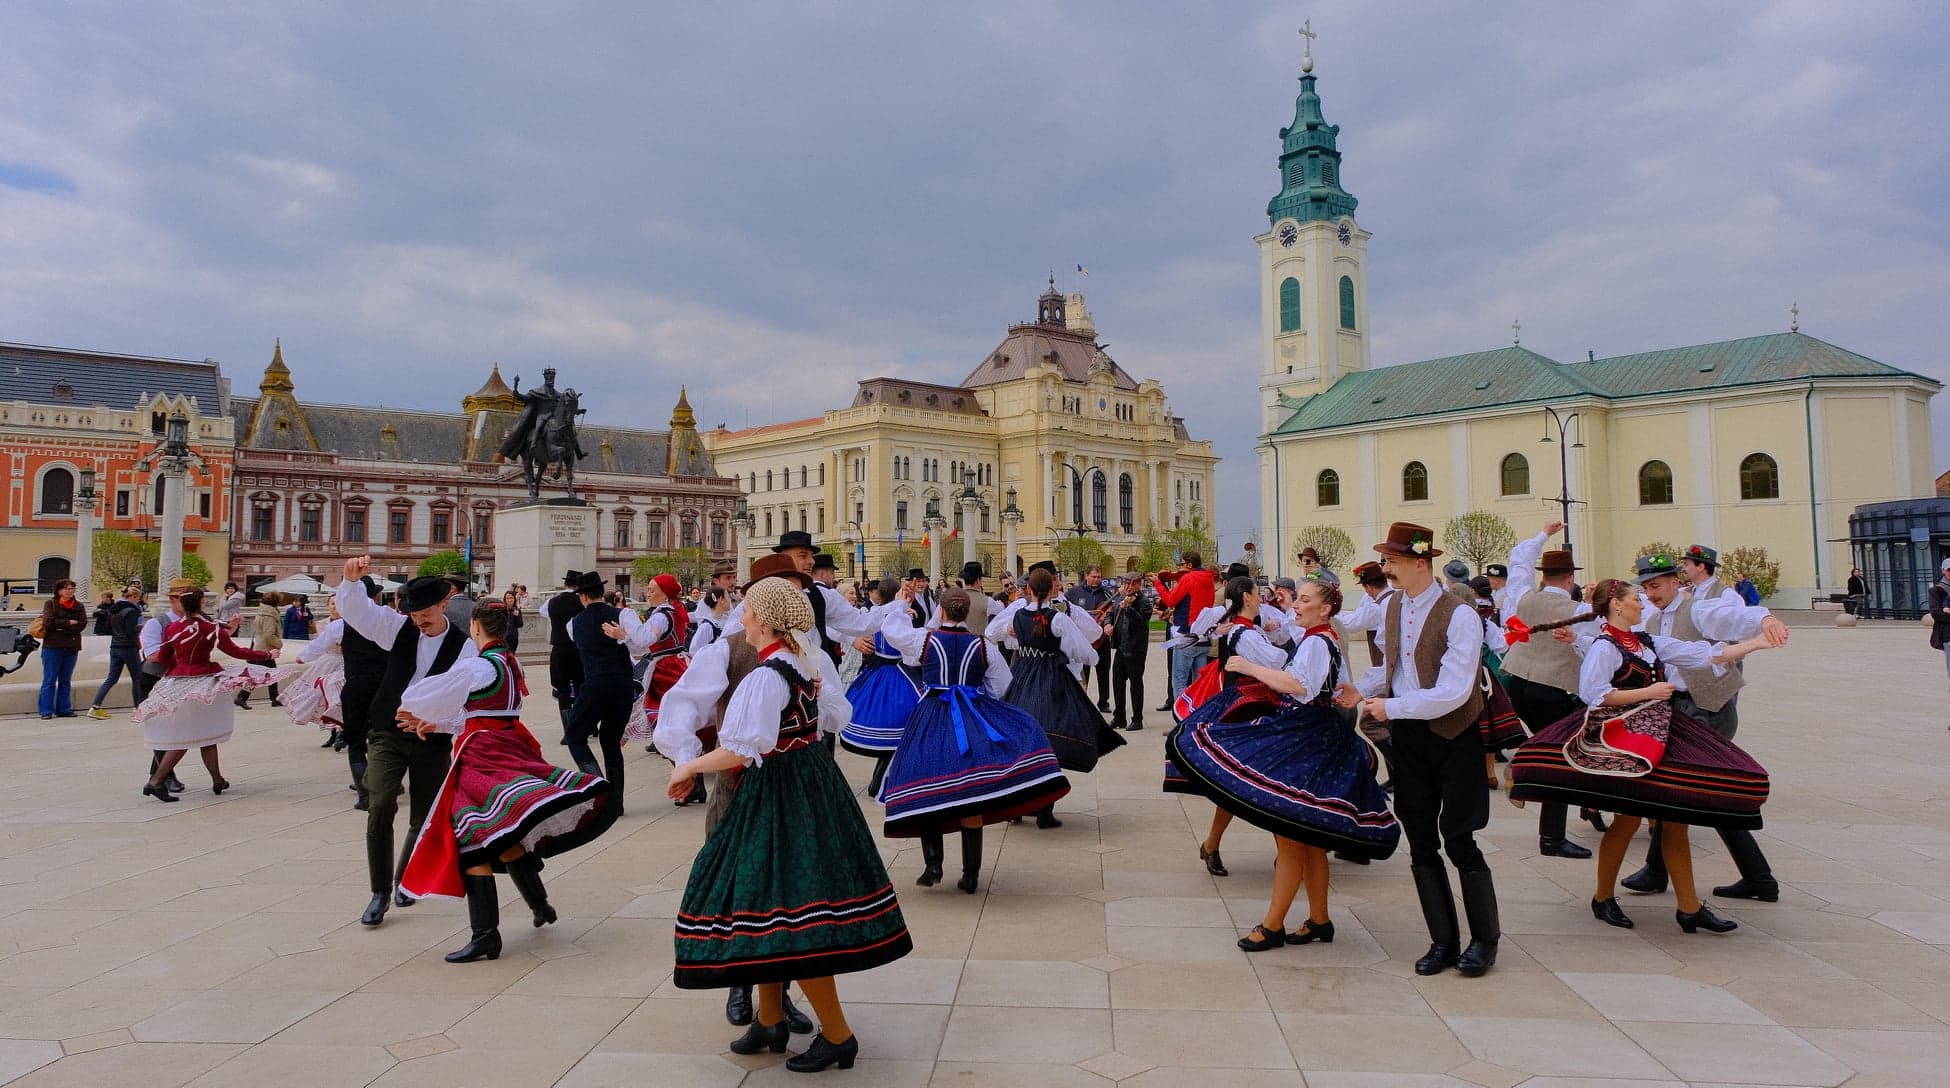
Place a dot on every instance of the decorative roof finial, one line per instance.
(1794, 317)
(1516, 332)
(1307, 57)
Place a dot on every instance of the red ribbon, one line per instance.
(1515, 630)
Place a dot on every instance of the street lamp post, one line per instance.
(969, 501)
(1562, 424)
(855, 548)
(84, 538)
(1011, 521)
(172, 458)
(1076, 505)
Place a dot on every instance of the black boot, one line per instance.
(971, 859)
(738, 1006)
(821, 1054)
(364, 803)
(400, 898)
(1479, 905)
(933, 850)
(331, 739)
(483, 919)
(1651, 879)
(613, 774)
(879, 775)
(1756, 878)
(1439, 914)
(1046, 818)
(379, 868)
(525, 872)
(759, 1038)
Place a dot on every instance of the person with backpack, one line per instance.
(124, 627)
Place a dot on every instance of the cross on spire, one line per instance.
(1794, 317)
(1516, 332)
(1307, 58)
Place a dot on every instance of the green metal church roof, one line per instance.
(1515, 376)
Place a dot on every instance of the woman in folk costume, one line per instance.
(789, 885)
(190, 707)
(315, 697)
(1048, 642)
(885, 691)
(1225, 695)
(502, 805)
(709, 625)
(662, 636)
(1499, 723)
(1629, 752)
(965, 758)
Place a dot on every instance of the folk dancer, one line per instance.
(607, 690)
(564, 663)
(190, 706)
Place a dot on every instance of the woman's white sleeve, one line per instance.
(996, 674)
(1688, 655)
(1309, 666)
(689, 704)
(1254, 647)
(1002, 627)
(751, 721)
(1601, 661)
(900, 633)
(1076, 644)
(442, 697)
(326, 642)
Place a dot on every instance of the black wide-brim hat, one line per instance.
(916, 572)
(797, 538)
(571, 578)
(424, 592)
(971, 572)
(824, 561)
(1047, 564)
(590, 584)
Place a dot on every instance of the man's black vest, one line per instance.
(818, 601)
(365, 660)
(602, 656)
(401, 661)
(560, 609)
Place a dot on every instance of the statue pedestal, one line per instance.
(537, 542)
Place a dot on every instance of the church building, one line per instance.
(1768, 439)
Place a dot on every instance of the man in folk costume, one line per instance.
(825, 570)
(564, 663)
(687, 727)
(608, 688)
(922, 604)
(1368, 616)
(1708, 611)
(1426, 690)
(1541, 674)
(365, 670)
(836, 621)
(981, 606)
(419, 643)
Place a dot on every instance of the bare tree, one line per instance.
(1478, 537)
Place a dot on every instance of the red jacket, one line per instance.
(1194, 588)
(188, 644)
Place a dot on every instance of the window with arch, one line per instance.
(1289, 305)
(751, 482)
(1415, 482)
(802, 475)
(1327, 488)
(57, 492)
(1100, 502)
(717, 534)
(1760, 477)
(768, 479)
(1347, 302)
(49, 571)
(1516, 474)
(1127, 502)
(1655, 484)
(687, 527)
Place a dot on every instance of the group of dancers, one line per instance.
(974, 714)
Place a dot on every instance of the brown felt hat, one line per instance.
(777, 566)
(1557, 562)
(1408, 540)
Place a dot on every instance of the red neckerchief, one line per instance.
(1629, 640)
(776, 647)
(1322, 629)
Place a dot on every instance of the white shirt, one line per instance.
(442, 698)
(149, 639)
(912, 642)
(1461, 658)
(1076, 645)
(1369, 615)
(692, 703)
(751, 720)
(1602, 659)
(638, 632)
(381, 625)
(1253, 645)
(1721, 615)
(1523, 574)
(327, 642)
(707, 630)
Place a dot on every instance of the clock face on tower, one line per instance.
(1345, 234)
(1289, 234)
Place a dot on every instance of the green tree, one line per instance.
(1478, 537)
(1156, 551)
(121, 558)
(898, 561)
(1333, 546)
(1076, 554)
(1752, 562)
(1195, 535)
(194, 568)
(688, 565)
(441, 564)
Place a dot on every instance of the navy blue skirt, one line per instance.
(882, 698)
(965, 753)
(1043, 686)
(1302, 773)
(1240, 702)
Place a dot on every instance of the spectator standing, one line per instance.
(1939, 613)
(298, 621)
(267, 626)
(124, 627)
(512, 599)
(1129, 628)
(1858, 593)
(230, 611)
(63, 619)
(102, 608)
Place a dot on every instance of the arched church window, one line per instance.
(1100, 502)
(1127, 502)
(1415, 482)
(1760, 477)
(57, 492)
(1655, 484)
(1347, 302)
(1516, 475)
(1289, 304)
(1327, 488)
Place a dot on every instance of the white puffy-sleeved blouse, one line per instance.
(1602, 657)
(751, 720)
(442, 697)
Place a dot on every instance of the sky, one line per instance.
(769, 201)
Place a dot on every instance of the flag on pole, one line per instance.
(955, 532)
(924, 539)
(1082, 271)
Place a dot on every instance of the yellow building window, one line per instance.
(1655, 484)
(1327, 488)
(1415, 482)
(1760, 477)
(1516, 475)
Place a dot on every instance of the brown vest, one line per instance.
(1710, 692)
(742, 659)
(1428, 662)
(1543, 659)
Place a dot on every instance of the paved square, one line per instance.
(215, 942)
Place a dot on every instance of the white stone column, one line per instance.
(1157, 516)
(171, 566)
(934, 525)
(83, 570)
(968, 508)
(1010, 519)
(741, 539)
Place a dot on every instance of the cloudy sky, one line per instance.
(769, 201)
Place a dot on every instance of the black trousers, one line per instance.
(1440, 796)
(1127, 676)
(399, 760)
(1741, 845)
(355, 716)
(565, 676)
(601, 710)
(1541, 706)
(1101, 667)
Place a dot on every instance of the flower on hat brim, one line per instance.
(1419, 547)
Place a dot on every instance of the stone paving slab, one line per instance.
(215, 942)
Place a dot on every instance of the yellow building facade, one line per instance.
(1047, 433)
(1768, 440)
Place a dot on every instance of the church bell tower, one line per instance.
(1312, 265)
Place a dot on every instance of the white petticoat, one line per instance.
(184, 712)
(313, 698)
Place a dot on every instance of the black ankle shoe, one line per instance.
(738, 1006)
(1311, 931)
(1765, 891)
(930, 876)
(1439, 958)
(1609, 912)
(481, 945)
(1477, 959)
(160, 793)
(1047, 820)
(174, 784)
(1261, 939)
(401, 899)
(1561, 848)
(1213, 863)
(1705, 919)
(1647, 881)
(376, 910)
(759, 1037)
(1595, 818)
(217, 786)
(796, 1022)
(970, 881)
(821, 1055)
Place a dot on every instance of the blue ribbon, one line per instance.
(961, 705)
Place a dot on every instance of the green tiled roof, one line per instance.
(1515, 376)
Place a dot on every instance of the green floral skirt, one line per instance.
(789, 885)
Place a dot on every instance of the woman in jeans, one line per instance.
(63, 619)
